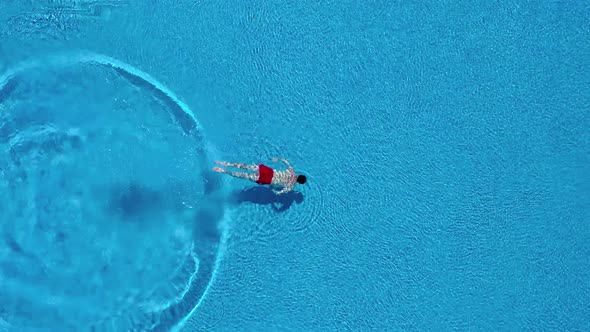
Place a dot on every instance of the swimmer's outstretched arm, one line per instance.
(275, 159)
(282, 191)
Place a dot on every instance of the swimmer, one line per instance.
(263, 174)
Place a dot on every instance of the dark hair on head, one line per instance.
(301, 179)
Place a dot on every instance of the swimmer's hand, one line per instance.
(275, 159)
(280, 192)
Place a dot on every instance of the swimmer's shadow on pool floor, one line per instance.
(265, 196)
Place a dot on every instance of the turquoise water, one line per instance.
(446, 146)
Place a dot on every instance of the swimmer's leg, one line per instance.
(241, 175)
(219, 170)
(237, 165)
(247, 176)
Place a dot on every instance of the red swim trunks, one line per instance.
(265, 174)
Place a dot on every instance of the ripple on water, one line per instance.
(104, 173)
(298, 212)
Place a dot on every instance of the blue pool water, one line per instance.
(446, 146)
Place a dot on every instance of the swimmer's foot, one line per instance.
(219, 170)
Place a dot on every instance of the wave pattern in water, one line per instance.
(106, 174)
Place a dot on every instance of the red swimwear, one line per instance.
(266, 173)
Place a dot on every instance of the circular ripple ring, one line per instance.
(36, 140)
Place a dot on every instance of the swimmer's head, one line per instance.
(301, 179)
